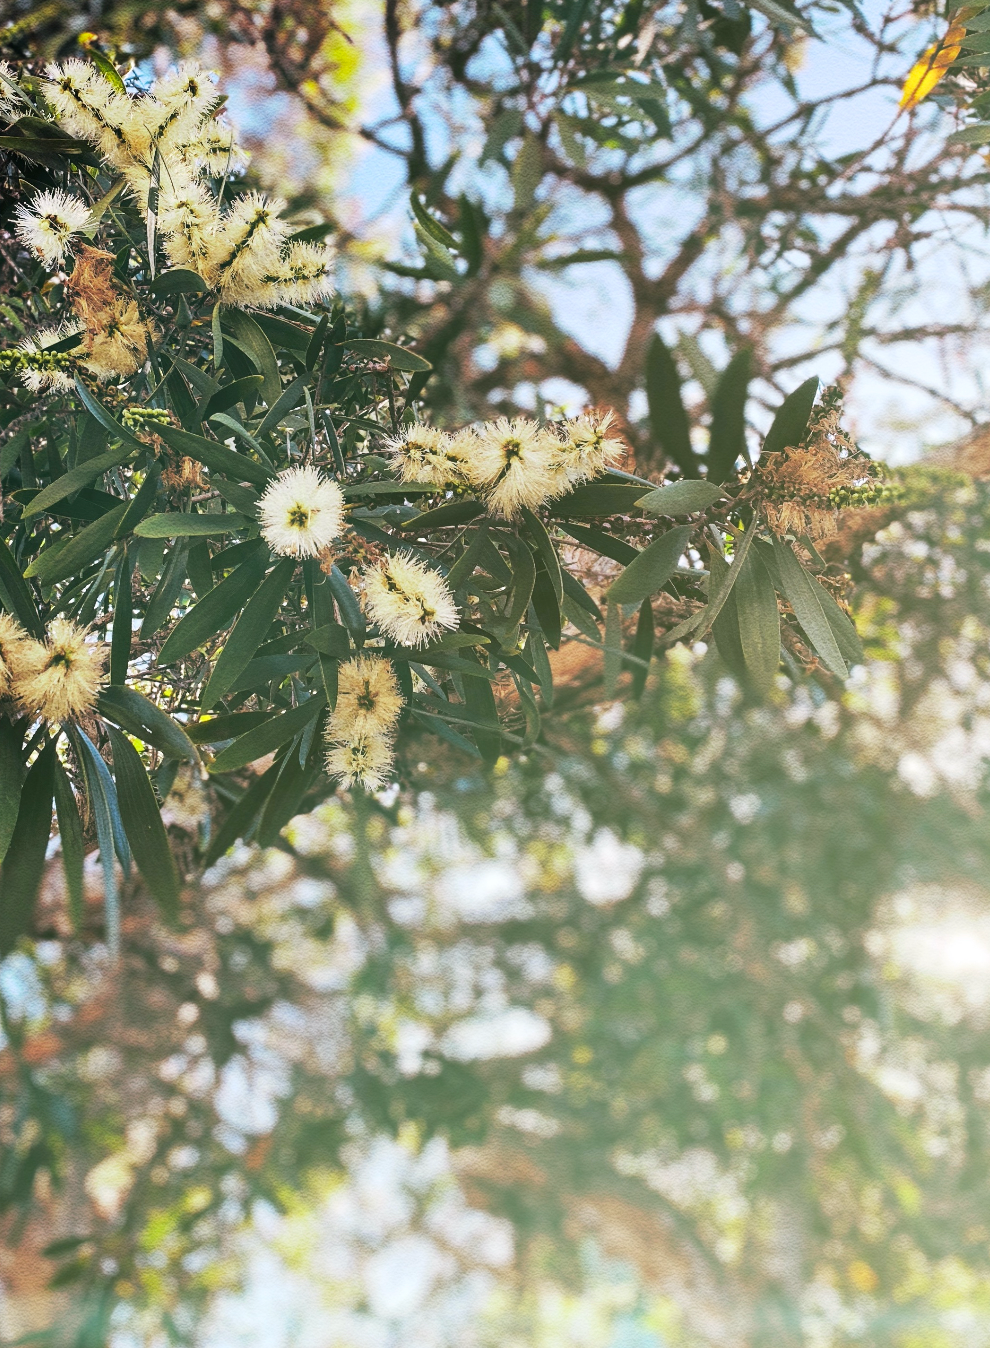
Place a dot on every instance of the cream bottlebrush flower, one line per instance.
(304, 276)
(364, 761)
(13, 643)
(410, 602)
(49, 222)
(514, 462)
(214, 151)
(247, 248)
(47, 372)
(301, 513)
(58, 679)
(177, 104)
(368, 699)
(119, 345)
(586, 449)
(424, 454)
(188, 220)
(12, 101)
(88, 106)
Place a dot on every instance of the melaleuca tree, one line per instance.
(205, 463)
(688, 902)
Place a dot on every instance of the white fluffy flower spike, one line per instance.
(47, 225)
(410, 602)
(301, 513)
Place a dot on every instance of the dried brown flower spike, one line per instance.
(805, 485)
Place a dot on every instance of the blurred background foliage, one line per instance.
(675, 1033)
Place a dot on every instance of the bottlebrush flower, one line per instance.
(188, 220)
(368, 699)
(586, 448)
(13, 641)
(90, 108)
(247, 248)
(214, 151)
(44, 370)
(302, 277)
(410, 602)
(514, 462)
(301, 513)
(58, 679)
(119, 344)
(49, 222)
(364, 761)
(424, 454)
(177, 103)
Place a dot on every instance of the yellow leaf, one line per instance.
(926, 73)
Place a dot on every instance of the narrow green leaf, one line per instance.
(70, 832)
(120, 642)
(75, 479)
(574, 590)
(166, 592)
(791, 422)
(725, 628)
(759, 623)
(668, 420)
(100, 789)
(200, 568)
(479, 700)
(598, 499)
(15, 595)
(185, 524)
(11, 778)
(97, 410)
(535, 657)
(805, 597)
(216, 610)
(642, 648)
(217, 729)
(680, 498)
(316, 341)
(721, 583)
(613, 647)
(178, 281)
(119, 834)
(399, 357)
(284, 403)
(432, 226)
(265, 738)
(652, 568)
(455, 512)
(56, 563)
(133, 712)
(727, 436)
(606, 545)
(547, 606)
(330, 639)
(548, 553)
(285, 798)
(143, 824)
(230, 394)
(350, 609)
(24, 860)
(241, 819)
(217, 333)
(843, 628)
(248, 337)
(249, 632)
(218, 458)
(140, 504)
